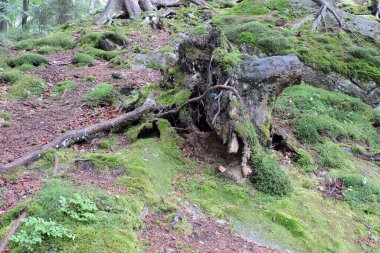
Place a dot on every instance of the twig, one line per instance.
(13, 230)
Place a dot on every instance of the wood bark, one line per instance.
(3, 21)
(25, 9)
(91, 6)
(76, 135)
(133, 8)
(321, 15)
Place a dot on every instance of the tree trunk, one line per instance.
(25, 9)
(64, 14)
(3, 21)
(91, 6)
(133, 8)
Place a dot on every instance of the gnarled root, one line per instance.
(321, 16)
(245, 168)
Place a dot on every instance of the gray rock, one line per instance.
(261, 79)
(119, 75)
(337, 82)
(155, 59)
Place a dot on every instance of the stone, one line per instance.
(233, 145)
(261, 79)
(336, 82)
(119, 75)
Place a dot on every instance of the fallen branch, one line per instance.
(12, 231)
(76, 135)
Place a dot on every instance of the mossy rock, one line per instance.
(59, 40)
(11, 76)
(82, 59)
(60, 88)
(49, 50)
(110, 41)
(27, 58)
(101, 95)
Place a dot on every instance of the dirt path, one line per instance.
(202, 234)
(36, 121)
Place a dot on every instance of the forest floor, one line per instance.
(38, 120)
(158, 186)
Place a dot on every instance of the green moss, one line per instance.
(6, 124)
(332, 156)
(28, 58)
(90, 39)
(227, 59)
(26, 87)
(267, 176)
(57, 40)
(61, 87)
(5, 115)
(108, 144)
(360, 193)
(116, 216)
(274, 45)
(27, 44)
(305, 161)
(90, 79)
(105, 161)
(318, 113)
(82, 59)
(289, 223)
(101, 54)
(248, 8)
(115, 37)
(101, 95)
(11, 76)
(280, 5)
(26, 67)
(49, 50)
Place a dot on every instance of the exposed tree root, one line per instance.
(132, 9)
(12, 231)
(196, 99)
(321, 16)
(76, 135)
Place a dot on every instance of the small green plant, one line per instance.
(11, 76)
(26, 67)
(62, 87)
(26, 87)
(90, 39)
(27, 45)
(29, 58)
(332, 156)
(90, 79)
(57, 40)
(108, 144)
(305, 161)
(6, 124)
(101, 95)
(78, 208)
(49, 50)
(5, 115)
(267, 176)
(82, 59)
(101, 54)
(360, 193)
(38, 231)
